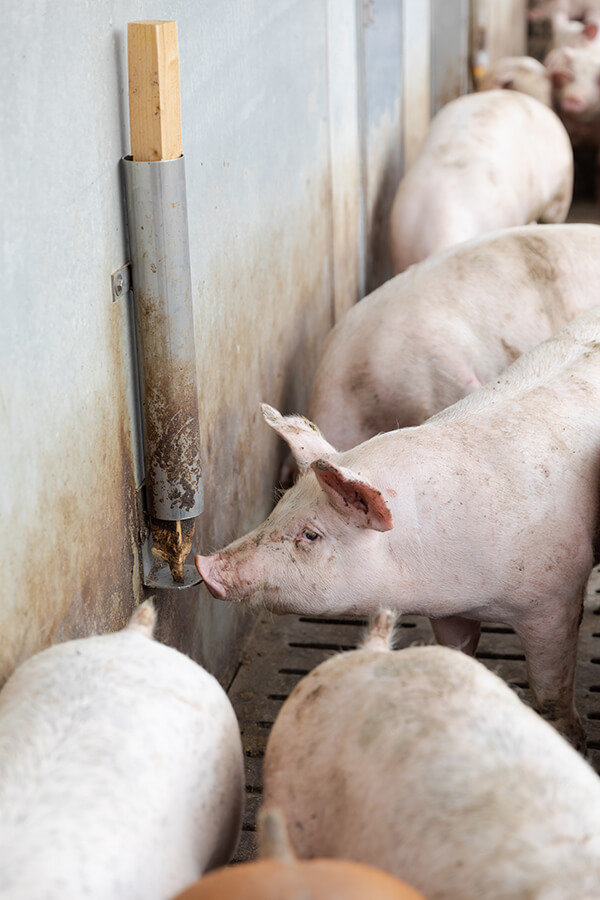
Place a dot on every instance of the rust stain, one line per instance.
(76, 569)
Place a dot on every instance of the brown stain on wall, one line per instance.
(263, 307)
(74, 567)
(273, 293)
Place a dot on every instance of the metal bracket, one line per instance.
(160, 579)
(120, 281)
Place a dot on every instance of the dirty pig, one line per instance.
(490, 160)
(425, 764)
(121, 770)
(439, 331)
(486, 512)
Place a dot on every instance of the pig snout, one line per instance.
(572, 103)
(210, 572)
(232, 574)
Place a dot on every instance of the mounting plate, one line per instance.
(163, 580)
(120, 282)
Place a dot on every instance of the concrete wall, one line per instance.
(292, 129)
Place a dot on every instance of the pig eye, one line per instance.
(307, 535)
(559, 79)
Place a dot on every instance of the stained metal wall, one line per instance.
(380, 58)
(450, 22)
(416, 74)
(500, 26)
(293, 134)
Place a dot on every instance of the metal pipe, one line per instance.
(158, 235)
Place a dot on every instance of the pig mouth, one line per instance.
(214, 586)
(215, 589)
(224, 584)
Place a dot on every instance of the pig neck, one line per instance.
(434, 557)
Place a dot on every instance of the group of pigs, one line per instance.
(569, 77)
(450, 467)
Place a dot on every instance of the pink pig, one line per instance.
(575, 76)
(487, 511)
(490, 160)
(425, 764)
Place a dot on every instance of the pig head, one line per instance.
(518, 73)
(575, 74)
(311, 546)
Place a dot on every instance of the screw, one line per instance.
(119, 285)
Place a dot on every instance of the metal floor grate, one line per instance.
(285, 648)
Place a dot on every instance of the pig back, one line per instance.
(120, 772)
(435, 333)
(490, 160)
(424, 763)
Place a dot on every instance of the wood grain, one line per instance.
(154, 102)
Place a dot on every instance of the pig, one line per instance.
(448, 325)
(486, 512)
(121, 770)
(583, 10)
(490, 160)
(575, 75)
(427, 765)
(572, 33)
(518, 73)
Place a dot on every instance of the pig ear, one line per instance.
(305, 440)
(353, 496)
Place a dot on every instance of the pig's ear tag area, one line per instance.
(353, 496)
(304, 439)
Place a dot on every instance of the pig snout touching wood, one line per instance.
(121, 771)
(518, 73)
(425, 764)
(490, 160)
(278, 875)
(486, 512)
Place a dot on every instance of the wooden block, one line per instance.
(154, 104)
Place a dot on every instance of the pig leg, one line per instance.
(551, 652)
(458, 633)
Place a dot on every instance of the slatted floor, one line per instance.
(284, 648)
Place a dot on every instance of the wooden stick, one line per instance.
(154, 104)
